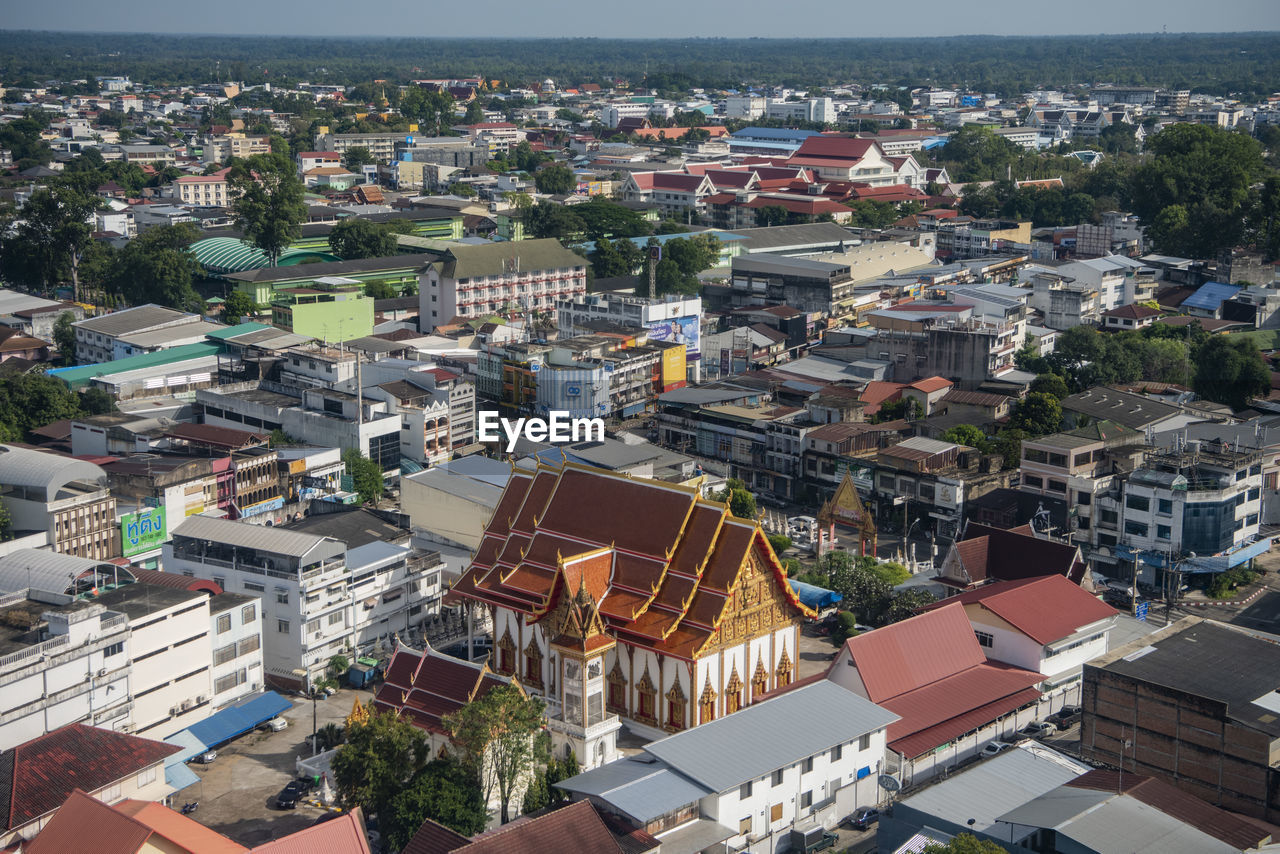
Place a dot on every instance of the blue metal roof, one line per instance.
(240, 718)
(813, 596)
(179, 776)
(772, 133)
(1211, 295)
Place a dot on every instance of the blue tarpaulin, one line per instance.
(240, 718)
(813, 596)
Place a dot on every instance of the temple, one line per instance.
(628, 599)
(846, 508)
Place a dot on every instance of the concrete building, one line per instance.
(64, 498)
(744, 781)
(332, 308)
(235, 635)
(204, 190)
(452, 503)
(101, 338)
(381, 145)
(669, 319)
(1195, 705)
(473, 281)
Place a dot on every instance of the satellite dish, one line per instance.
(888, 783)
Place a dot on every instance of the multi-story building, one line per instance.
(942, 343)
(235, 635)
(979, 238)
(744, 106)
(220, 149)
(673, 318)
(381, 145)
(1195, 705)
(170, 655)
(64, 659)
(63, 497)
(332, 308)
(98, 339)
(502, 278)
(317, 600)
(811, 110)
(204, 190)
(425, 419)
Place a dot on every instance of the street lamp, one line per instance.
(305, 675)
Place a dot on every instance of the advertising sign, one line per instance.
(682, 330)
(141, 532)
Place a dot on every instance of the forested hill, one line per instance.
(1245, 64)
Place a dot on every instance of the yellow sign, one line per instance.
(673, 365)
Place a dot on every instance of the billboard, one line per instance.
(673, 367)
(142, 531)
(682, 330)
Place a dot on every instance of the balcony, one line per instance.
(610, 724)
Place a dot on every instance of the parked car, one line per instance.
(1065, 717)
(864, 817)
(996, 747)
(289, 795)
(276, 724)
(1037, 729)
(207, 757)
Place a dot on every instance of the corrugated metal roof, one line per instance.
(133, 319)
(260, 537)
(643, 790)
(49, 571)
(915, 652)
(713, 754)
(49, 471)
(342, 835)
(1211, 295)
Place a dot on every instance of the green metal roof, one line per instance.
(239, 329)
(220, 255)
(80, 375)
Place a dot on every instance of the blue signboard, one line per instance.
(1142, 611)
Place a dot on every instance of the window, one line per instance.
(647, 697)
(744, 791)
(253, 588)
(1164, 506)
(335, 618)
(224, 623)
(506, 654)
(249, 644)
(282, 626)
(1135, 529)
(807, 765)
(224, 654)
(775, 813)
(533, 664)
(806, 800)
(1057, 486)
(864, 741)
(113, 649)
(617, 693)
(985, 639)
(248, 614)
(733, 695)
(1083, 499)
(146, 777)
(676, 705)
(1254, 494)
(282, 597)
(837, 753)
(777, 778)
(1138, 502)
(707, 704)
(1162, 532)
(1032, 481)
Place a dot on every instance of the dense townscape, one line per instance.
(626, 447)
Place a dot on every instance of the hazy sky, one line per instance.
(645, 18)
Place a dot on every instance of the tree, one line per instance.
(357, 156)
(268, 202)
(382, 754)
(967, 435)
(33, 400)
(1008, 444)
(64, 336)
(354, 238)
(330, 735)
(156, 267)
(97, 401)
(965, 843)
(236, 306)
(865, 592)
(1038, 414)
(497, 737)
(907, 603)
(1230, 371)
(366, 476)
(1050, 384)
(556, 179)
(378, 289)
(462, 190)
(779, 542)
(443, 791)
(47, 244)
(771, 215)
(740, 500)
(682, 260)
(6, 523)
(547, 219)
(603, 218)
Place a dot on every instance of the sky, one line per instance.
(646, 18)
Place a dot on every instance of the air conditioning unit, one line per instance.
(102, 672)
(203, 698)
(186, 704)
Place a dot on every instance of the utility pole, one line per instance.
(655, 255)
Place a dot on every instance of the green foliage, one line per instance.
(1227, 584)
(366, 475)
(156, 267)
(1038, 414)
(378, 289)
(604, 218)
(873, 214)
(1195, 188)
(97, 401)
(611, 259)
(6, 523)
(683, 258)
(1230, 371)
(670, 226)
(779, 542)
(1008, 444)
(548, 219)
(339, 665)
(1050, 384)
(965, 843)
(844, 627)
(46, 246)
(555, 179)
(771, 215)
(382, 754)
(329, 736)
(443, 791)
(236, 305)
(279, 438)
(740, 500)
(906, 604)
(891, 572)
(357, 156)
(462, 190)
(354, 237)
(268, 203)
(967, 435)
(496, 737)
(64, 336)
(33, 400)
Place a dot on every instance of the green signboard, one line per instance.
(142, 531)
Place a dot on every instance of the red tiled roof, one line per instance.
(841, 147)
(574, 828)
(177, 828)
(921, 742)
(914, 653)
(38, 775)
(342, 835)
(82, 816)
(434, 838)
(878, 392)
(1045, 609)
(425, 686)
(928, 385)
(1010, 554)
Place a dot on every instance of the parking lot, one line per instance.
(237, 790)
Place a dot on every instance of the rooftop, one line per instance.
(140, 600)
(257, 537)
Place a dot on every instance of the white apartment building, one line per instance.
(170, 656)
(503, 278)
(97, 338)
(62, 661)
(744, 106)
(671, 318)
(393, 587)
(204, 190)
(812, 110)
(235, 633)
(723, 783)
(612, 114)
